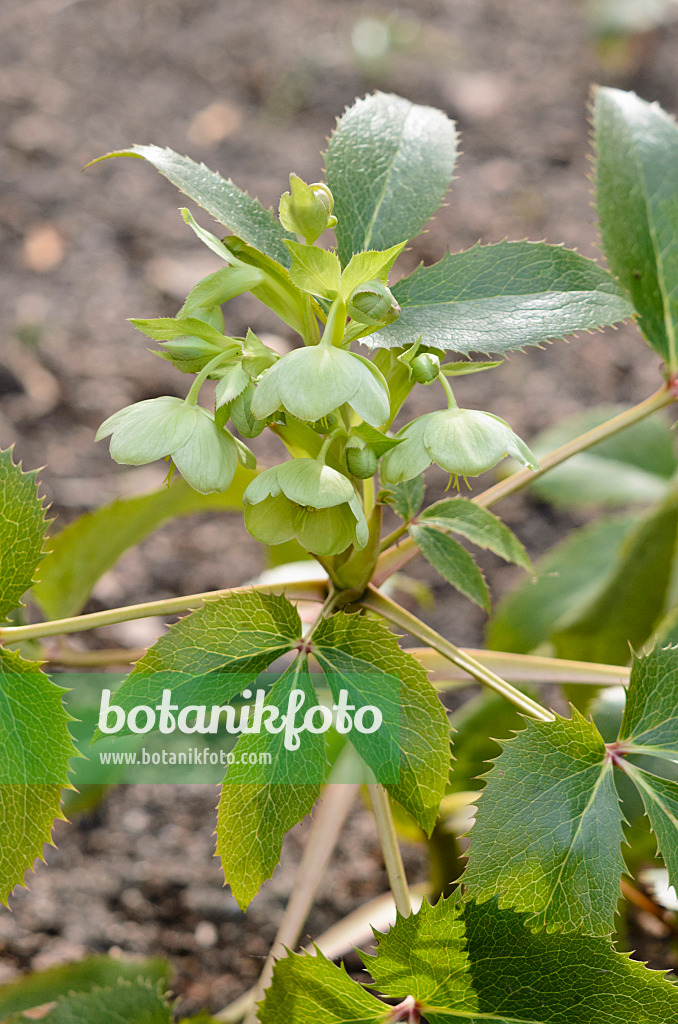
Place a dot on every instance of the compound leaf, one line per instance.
(212, 654)
(410, 752)
(35, 749)
(517, 976)
(82, 552)
(453, 562)
(406, 498)
(261, 802)
(389, 164)
(651, 713)
(478, 525)
(548, 831)
(494, 299)
(636, 176)
(223, 200)
(22, 532)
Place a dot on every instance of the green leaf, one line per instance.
(651, 713)
(453, 562)
(518, 977)
(548, 831)
(223, 200)
(632, 466)
(425, 956)
(389, 164)
(205, 655)
(406, 498)
(478, 727)
(87, 548)
(478, 525)
(634, 597)
(465, 367)
(260, 803)
(125, 1003)
(569, 577)
(362, 656)
(276, 290)
(378, 442)
(636, 176)
(31, 990)
(314, 270)
(660, 797)
(495, 299)
(22, 532)
(368, 266)
(167, 328)
(310, 989)
(35, 748)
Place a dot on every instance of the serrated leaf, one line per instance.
(35, 750)
(569, 577)
(82, 552)
(167, 328)
(208, 652)
(518, 977)
(651, 712)
(22, 532)
(260, 803)
(362, 656)
(389, 164)
(461, 369)
(424, 956)
(314, 270)
(478, 525)
(406, 498)
(634, 597)
(223, 200)
(124, 1003)
(548, 832)
(453, 562)
(660, 798)
(636, 176)
(40, 987)
(478, 727)
(494, 299)
(632, 466)
(369, 266)
(310, 989)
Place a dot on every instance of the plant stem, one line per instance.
(328, 823)
(311, 590)
(381, 808)
(396, 557)
(520, 668)
(394, 536)
(401, 617)
(451, 400)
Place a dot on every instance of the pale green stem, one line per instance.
(368, 496)
(312, 590)
(192, 396)
(381, 808)
(335, 327)
(520, 668)
(451, 400)
(396, 557)
(415, 627)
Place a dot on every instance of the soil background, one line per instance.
(253, 89)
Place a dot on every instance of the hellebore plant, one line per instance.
(522, 936)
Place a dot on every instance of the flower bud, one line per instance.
(305, 209)
(361, 462)
(425, 368)
(373, 304)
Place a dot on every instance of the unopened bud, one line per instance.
(361, 462)
(306, 209)
(425, 368)
(372, 304)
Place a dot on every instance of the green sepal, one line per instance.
(314, 270)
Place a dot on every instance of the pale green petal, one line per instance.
(266, 397)
(263, 486)
(370, 399)
(517, 447)
(468, 442)
(326, 531)
(308, 482)
(148, 430)
(209, 459)
(273, 520)
(410, 458)
(362, 530)
(315, 381)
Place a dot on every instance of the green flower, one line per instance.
(312, 382)
(205, 456)
(305, 499)
(464, 442)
